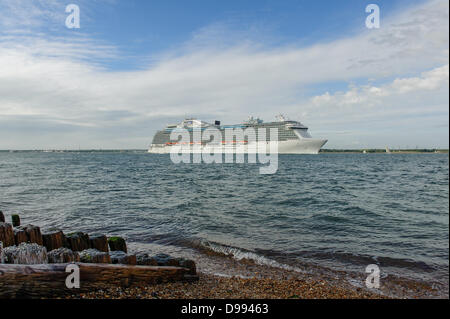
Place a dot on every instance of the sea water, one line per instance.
(341, 211)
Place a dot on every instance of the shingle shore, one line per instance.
(216, 287)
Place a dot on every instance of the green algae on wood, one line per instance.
(15, 220)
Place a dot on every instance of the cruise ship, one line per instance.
(293, 137)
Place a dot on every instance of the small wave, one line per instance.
(298, 202)
(241, 254)
(362, 260)
(333, 219)
(359, 211)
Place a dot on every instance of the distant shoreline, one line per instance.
(400, 151)
(322, 151)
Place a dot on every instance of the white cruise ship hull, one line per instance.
(300, 146)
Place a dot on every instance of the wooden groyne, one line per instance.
(35, 264)
(49, 280)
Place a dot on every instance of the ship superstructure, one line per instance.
(293, 136)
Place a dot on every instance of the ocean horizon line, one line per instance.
(329, 150)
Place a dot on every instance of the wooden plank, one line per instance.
(49, 280)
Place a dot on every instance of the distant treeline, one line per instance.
(373, 150)
(76, 151)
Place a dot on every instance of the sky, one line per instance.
(135, 66)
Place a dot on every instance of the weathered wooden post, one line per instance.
(53, 240)
(48, 280)
(15, 220)
(117, 243)
(20, 236)
(6, 234)
(78, 241)
(99, 242)
(33, 234)
(2, 257)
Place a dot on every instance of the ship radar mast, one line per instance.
(251, 120)
(281, 118)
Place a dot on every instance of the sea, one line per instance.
(341, 212)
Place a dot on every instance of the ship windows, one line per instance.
(303, 133)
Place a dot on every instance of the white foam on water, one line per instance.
(240, 254)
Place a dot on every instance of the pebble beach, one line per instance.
(255, 281)
(215, 287)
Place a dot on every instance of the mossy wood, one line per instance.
(15, 220)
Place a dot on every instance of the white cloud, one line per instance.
(57, 80)
(19, 14)
(371, 95)
(432, 80)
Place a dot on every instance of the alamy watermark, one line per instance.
(73, 280)
(373, 19)
(373, 279)
(210, 145)
(73, 19)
